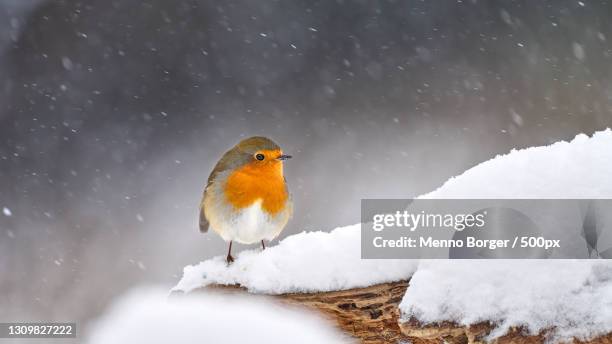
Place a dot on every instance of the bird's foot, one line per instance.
(229, 259)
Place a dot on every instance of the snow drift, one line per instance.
(305, 262)
(575, 297)
(147, 316)
(565, 170)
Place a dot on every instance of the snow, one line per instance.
(573, 296)
(565, 170)
(67, 63)
(148, 316)
(6, 211)
(578, 51)
(305, 262)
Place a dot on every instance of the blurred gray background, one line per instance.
(112, 114)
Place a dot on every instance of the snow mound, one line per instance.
(147, 316)
(565, 170)
(305, 262)
(575, 297)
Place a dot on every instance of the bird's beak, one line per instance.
(284, 157)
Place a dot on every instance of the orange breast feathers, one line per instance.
(258, 180)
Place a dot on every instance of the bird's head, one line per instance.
(259, 153)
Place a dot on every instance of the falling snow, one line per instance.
(578, 51)
(67, 63)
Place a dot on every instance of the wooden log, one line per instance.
(371, 315)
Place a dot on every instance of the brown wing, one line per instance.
(203, 221)
(230, 160)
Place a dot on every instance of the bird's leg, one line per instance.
(263, 246)
(229, 258)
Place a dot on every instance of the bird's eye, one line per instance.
(259, 157)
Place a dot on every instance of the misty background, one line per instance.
(113, 113)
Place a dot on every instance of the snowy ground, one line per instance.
(148, 316)
(575, 296)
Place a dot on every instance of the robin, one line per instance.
(246, 198)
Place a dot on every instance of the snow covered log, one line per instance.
(371, 315)
(321, 271)
(500, 301)
(560, 300)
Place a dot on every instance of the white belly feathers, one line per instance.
(251, 225)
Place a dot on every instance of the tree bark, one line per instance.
(371, 315)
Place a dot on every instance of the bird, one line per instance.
(246, 198)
